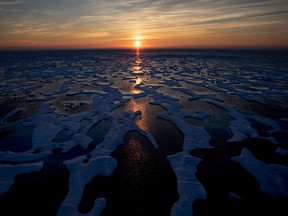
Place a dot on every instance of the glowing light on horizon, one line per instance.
(137, 43)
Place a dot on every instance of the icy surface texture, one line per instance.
(206, 111)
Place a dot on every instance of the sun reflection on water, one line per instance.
(136, 153)
(139, 81)
(146, 120)
(137, 68)
(136, 106)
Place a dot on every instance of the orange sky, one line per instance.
(55, 24)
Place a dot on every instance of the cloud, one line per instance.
(8, 3)
(147, 18)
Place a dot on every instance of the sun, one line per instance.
(137, 43)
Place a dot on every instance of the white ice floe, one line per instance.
(241, 127)
(80, 175)
(8, 172)
(282, 151)
(184, 166)
(269, 122)
(189, 188)
(273, 178)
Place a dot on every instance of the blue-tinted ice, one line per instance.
(216, 116)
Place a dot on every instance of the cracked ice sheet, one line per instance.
(204, 73)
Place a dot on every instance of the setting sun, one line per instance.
(137, 43)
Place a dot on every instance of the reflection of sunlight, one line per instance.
(143, 121)
(138, 80)
(138, 61)
(136, 158)
(137, 68)
(134, 90)
(136, 154)
(134, 106)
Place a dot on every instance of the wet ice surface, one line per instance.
(160, 132)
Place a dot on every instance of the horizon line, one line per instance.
(12, 49)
